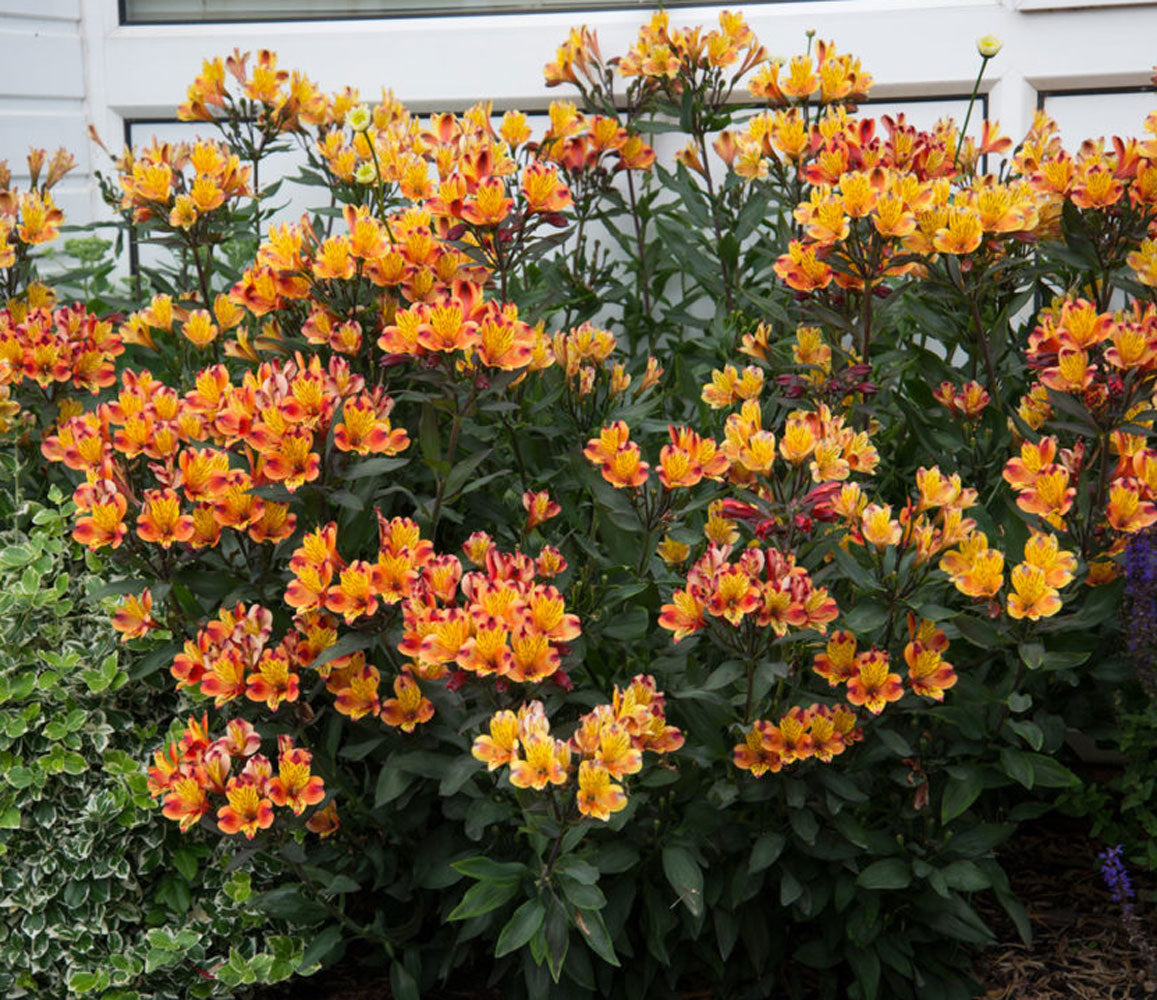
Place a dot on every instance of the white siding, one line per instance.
(43, 93)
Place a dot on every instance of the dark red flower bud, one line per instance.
(737, 510)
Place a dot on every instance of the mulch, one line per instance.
(1081, 950)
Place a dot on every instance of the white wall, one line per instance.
(72, 62)
(42, 93)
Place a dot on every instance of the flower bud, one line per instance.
(988, 45)
(359, 118)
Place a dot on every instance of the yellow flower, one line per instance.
(597, 795)
(672, 552)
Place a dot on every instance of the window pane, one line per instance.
(153, 11)
(1092, 115)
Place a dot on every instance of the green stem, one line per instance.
(968, 113)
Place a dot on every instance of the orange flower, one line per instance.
(133, 616)
(248, 810)
(616, 753)
(878, 527)
(501, 746)
(798, 440)
(294, 785)
(837, 664)
(476, 546)
(532, 657)
(539, 508)
(790, 739)
(543, 190)
(104, 524)
(684, 616)
(161, 520)
(550, 563)
(224, 677)
(961, 234)
(754, 754)
(409, 708)
(1044, 551)
(626, 469)
(1050, 495)
(186, 801)
(597, 795)
(355, 594)
(672, 551)
(199, 329)
(324, 822)
(293, 462)
(928, 674)
(361, 696)
(611, 438)
(546, 762)
(365, 429)
(274, 681)
(800, 269)
(1126, 511)
(1031, 595)
(334, 259)
(874, 686)
(734, 595)
(1021, 473)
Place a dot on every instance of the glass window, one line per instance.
(177, 11)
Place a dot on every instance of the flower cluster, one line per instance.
(1036, 582)
(762, 587)
(180, 183)
(609, 742)
(231, 657)
(818, 731)
(67, 346)
(295, 266)
(186, 773)
(593, 378)
(817, 445)
(272, 422)
(462, 322)
(1118, 178)
(590, 145)
(875, 207)
(278, 100)
(30, 218)
(830, 77)
(673, 58)
(499, 620)
(966, 402)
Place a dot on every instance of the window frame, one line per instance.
(570, 7)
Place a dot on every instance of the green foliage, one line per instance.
(100, 899)
(734, 849)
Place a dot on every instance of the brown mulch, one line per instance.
(1081, 949)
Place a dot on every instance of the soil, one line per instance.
(1081, 949)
